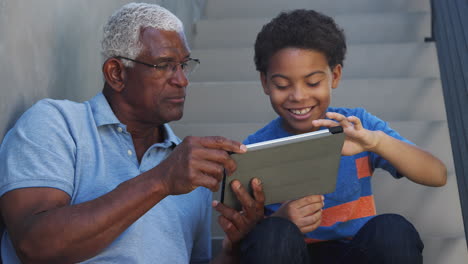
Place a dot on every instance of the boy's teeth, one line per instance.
(300, 111)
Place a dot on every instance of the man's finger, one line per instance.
(211, 169)
(232, 215)
(206, 181)
(229, 229)
(223, 143)
(246, 200)
(258, 193)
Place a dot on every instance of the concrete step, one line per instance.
(389, 99)
(399, 60)
(361, 28)
(270, 8)
(440, 250)
(418, 204)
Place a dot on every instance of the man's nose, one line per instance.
(179, 78)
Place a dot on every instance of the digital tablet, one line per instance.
(290, 167)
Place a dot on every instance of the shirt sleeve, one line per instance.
(201, 251)
(38, 151)
(372, 122)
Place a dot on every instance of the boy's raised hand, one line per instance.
(358, 139)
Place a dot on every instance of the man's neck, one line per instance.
(144, 134)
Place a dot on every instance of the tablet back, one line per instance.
(290, 168)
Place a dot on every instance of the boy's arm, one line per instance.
(414, 163)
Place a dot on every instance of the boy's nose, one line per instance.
(298, 94)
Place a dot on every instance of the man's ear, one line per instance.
(336, 75)
(115, 74)
(263, 79)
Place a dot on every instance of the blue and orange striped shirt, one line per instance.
(352, 204)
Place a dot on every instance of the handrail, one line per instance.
(431, 38)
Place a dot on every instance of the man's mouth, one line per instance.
(301, 111)
(177, 100)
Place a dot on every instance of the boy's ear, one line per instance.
(336, 74)
(264, 83)
(115, 74)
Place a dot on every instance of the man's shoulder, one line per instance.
(55, 107)
(49, 116)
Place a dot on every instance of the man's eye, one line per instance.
(163, 66)
(183, 64)
(313, 84)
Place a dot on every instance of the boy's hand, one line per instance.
(305, 212)
(358, 139)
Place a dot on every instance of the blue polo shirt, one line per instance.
(84, 150)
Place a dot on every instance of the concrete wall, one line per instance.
(51, 48)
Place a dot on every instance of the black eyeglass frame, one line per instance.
(156, 66)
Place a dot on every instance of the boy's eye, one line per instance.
(313, 84)
(281, 86)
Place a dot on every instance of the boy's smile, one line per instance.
(299, 83)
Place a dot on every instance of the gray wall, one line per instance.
(51, 48)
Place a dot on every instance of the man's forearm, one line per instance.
(74, 233)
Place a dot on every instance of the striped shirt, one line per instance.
(352, 204)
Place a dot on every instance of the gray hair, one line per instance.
(122, 32)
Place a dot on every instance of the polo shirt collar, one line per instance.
(103, 115)
(102, 112)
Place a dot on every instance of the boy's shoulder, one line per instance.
(272, 130)
(358, 111)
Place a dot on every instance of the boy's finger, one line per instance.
(307, 200)
(324, 123)
(356, 121)
(340, 118)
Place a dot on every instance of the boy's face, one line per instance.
(299, 83)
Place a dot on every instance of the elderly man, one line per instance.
(107, 181)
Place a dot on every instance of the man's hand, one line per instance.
(237, 224)
(305, 212)
(358, 139)
(198, 161)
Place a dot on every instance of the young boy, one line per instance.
(300, 55)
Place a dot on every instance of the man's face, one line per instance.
(157, 96)
(299, 84)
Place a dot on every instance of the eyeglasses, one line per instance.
(168, 68)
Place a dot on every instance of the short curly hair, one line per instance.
(304, 29)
